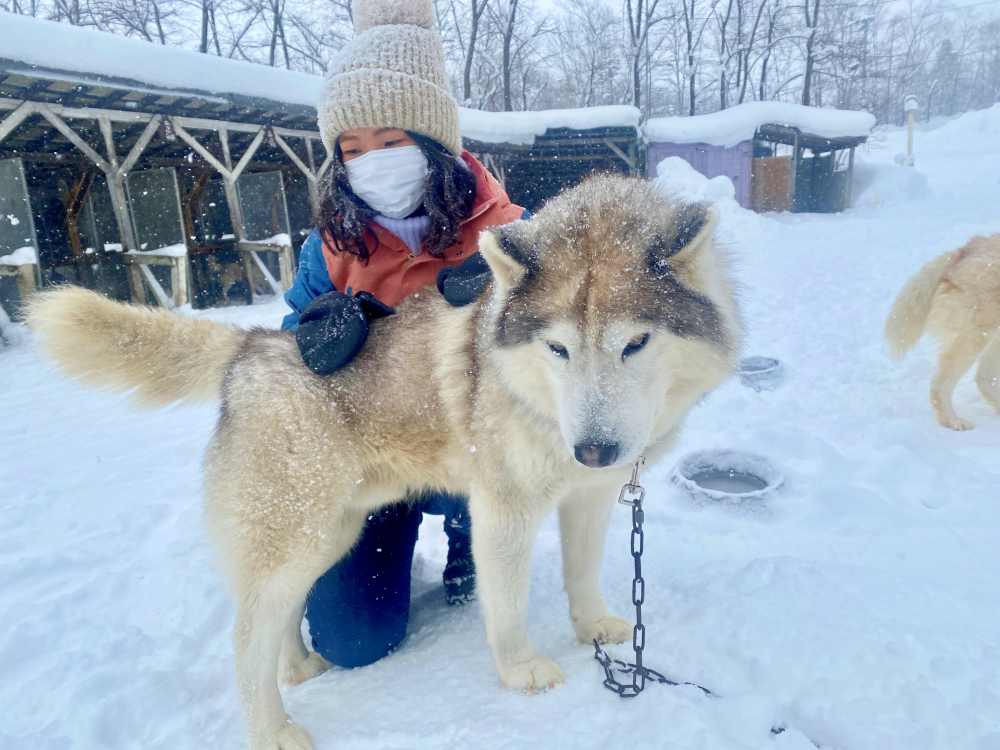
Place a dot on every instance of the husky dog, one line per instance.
(957, 298)
(608, 317)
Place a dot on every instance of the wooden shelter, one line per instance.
(150, 191)
(780, 157)
(538, 154)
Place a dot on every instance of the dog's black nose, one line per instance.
(596, 455)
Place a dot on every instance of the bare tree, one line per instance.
(694, 30)
(506, 19)
(152, 20)
(812, 28)
(68, 11)
(640, 16)
(585, 47)
(475, 11)
(516, 30)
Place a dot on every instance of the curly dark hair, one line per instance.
(448, 199)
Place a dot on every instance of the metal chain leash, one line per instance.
(633, 493)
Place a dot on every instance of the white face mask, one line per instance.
(390, 180)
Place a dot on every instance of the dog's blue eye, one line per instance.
(558, 349)
(635, 345)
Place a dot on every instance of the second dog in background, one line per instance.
(956, 298)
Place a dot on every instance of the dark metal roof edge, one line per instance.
(13, 67)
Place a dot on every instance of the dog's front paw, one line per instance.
(607, 629)
(304, 669)
(958, 424)
(293, 737)
(534, 675)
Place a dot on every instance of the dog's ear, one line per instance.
(690, 229)
(509, 253)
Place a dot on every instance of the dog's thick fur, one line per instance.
(956, 297)
(609, 316)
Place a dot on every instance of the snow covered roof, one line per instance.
(739, 123)
(521, 128)
(60, 52)
(57, 51)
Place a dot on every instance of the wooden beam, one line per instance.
(140, 145)
(119, 204)
(309, 155)
(268, 277)
(70, 135)
(109, 141)
(620, 154)
(235, 209)
(128, 116)
(14, 119)
(248, 154)
(203, 152)
(158, 291)
(290, 153)
(224, 142)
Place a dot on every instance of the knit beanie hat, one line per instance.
(391, 75)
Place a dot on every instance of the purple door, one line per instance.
(733, 161)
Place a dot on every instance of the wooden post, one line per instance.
(119, 204)
(909, 138)
(794, 174)
(179, 281)
(286, 265)
(910, 107)
(849, 189)
(313, 184)
(137, 290)
(26, 280)
(24, 276)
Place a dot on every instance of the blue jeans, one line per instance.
(359, 609)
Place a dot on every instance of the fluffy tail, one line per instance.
(165, 357)
(908, 317)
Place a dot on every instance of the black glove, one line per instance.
(333, 328)
(462, 284)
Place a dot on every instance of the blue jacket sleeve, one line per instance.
(311, 280)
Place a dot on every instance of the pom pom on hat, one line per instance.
(370, 13)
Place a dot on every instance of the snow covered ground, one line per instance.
(858, 608)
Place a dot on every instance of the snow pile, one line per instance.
(737, 124)
(962, 134)
(881, 184)
(676, 178)
(23, 256)
(521, 128)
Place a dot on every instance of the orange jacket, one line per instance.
(392, 273)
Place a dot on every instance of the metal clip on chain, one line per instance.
(633, 494)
